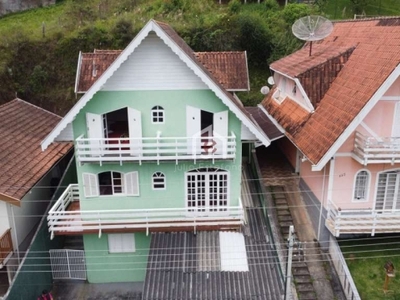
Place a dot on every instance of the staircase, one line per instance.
(73, 242)
(301, 274)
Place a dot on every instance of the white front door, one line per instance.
(221, 132)
(193, 129)
(95, 131)
(388, 191)
(135, 131)
(207, 190)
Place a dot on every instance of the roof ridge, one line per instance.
(366, 19)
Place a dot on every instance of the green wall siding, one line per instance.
(174, 104)
(103, 267)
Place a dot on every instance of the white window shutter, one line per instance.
(90, 185)
(132, 184)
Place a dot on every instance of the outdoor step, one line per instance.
(73, 242)
(283, 206)
(307, 296)
(299, 264)
(281, 201)
(283, 212)
(285, 218)
(300, 271)
(304, 287)
(285, 224)
(302, 279)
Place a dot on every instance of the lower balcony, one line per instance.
(372, 150)
(90, 150)
(6, 247)
(66, 218)
(362, 221)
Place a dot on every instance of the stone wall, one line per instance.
(8, 6)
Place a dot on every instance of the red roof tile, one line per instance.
(376, 54)
(228, 68)
(22, 162)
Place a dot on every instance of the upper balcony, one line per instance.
(362, 221)
(99, 150)
(371, 150)
(66, 218)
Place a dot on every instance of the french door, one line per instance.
(207, 190)
(388, 191)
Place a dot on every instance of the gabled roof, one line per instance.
(368, 70)
(186, 54)
(228, 68)
(22, 162)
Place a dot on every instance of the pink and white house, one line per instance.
(339, 109)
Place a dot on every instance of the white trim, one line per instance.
(356, 121)
(377, 184)
(164, 183)
(310, 107)
(78, 71)
(283, 74)
(367, 187)
(370, 131)
(158, 109)
(396, 112)
(153, 26)
(247, 70)
(271, 118)
(390, 98)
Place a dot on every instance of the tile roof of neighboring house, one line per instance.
(183, 265)
(265, 123)
(22, 162)
(373, 54)
(228, 68)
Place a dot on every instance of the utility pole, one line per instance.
(289, 263)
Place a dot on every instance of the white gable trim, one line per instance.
(358, 119)
(153, 26)
(272, 119)
(309, 105)
(78, 71)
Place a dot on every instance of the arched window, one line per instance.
(361, 186)
(157, 114)
(158, 181)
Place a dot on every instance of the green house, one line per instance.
(158, 136)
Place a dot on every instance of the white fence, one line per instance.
(342, 270)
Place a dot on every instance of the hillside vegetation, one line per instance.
(39, 48)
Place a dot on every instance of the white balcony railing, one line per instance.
(64, 220)
(155, 149)
(371, 150)
(361, 221)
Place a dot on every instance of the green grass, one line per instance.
(366, 259)
(342, 9)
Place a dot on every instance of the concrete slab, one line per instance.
(72, 289)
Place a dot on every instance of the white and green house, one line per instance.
(158, 145)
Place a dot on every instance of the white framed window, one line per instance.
(121, 243)
(361, 186)
(111, 183)
(158, 179)
(157, 114)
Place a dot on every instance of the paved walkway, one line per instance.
(276, 171)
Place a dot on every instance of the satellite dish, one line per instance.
(312, 28)
(264, 90)
(271, 80)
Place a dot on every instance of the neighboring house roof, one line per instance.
(183, 265)
(228, 68)
(270, 129)
(22, 162)
(358, 77)
(186, 54)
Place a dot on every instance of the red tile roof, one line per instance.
(228, 68)
(376, 54)
(22, 162)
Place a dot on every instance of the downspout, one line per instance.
(321, 206)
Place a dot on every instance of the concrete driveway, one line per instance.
(78, 290)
